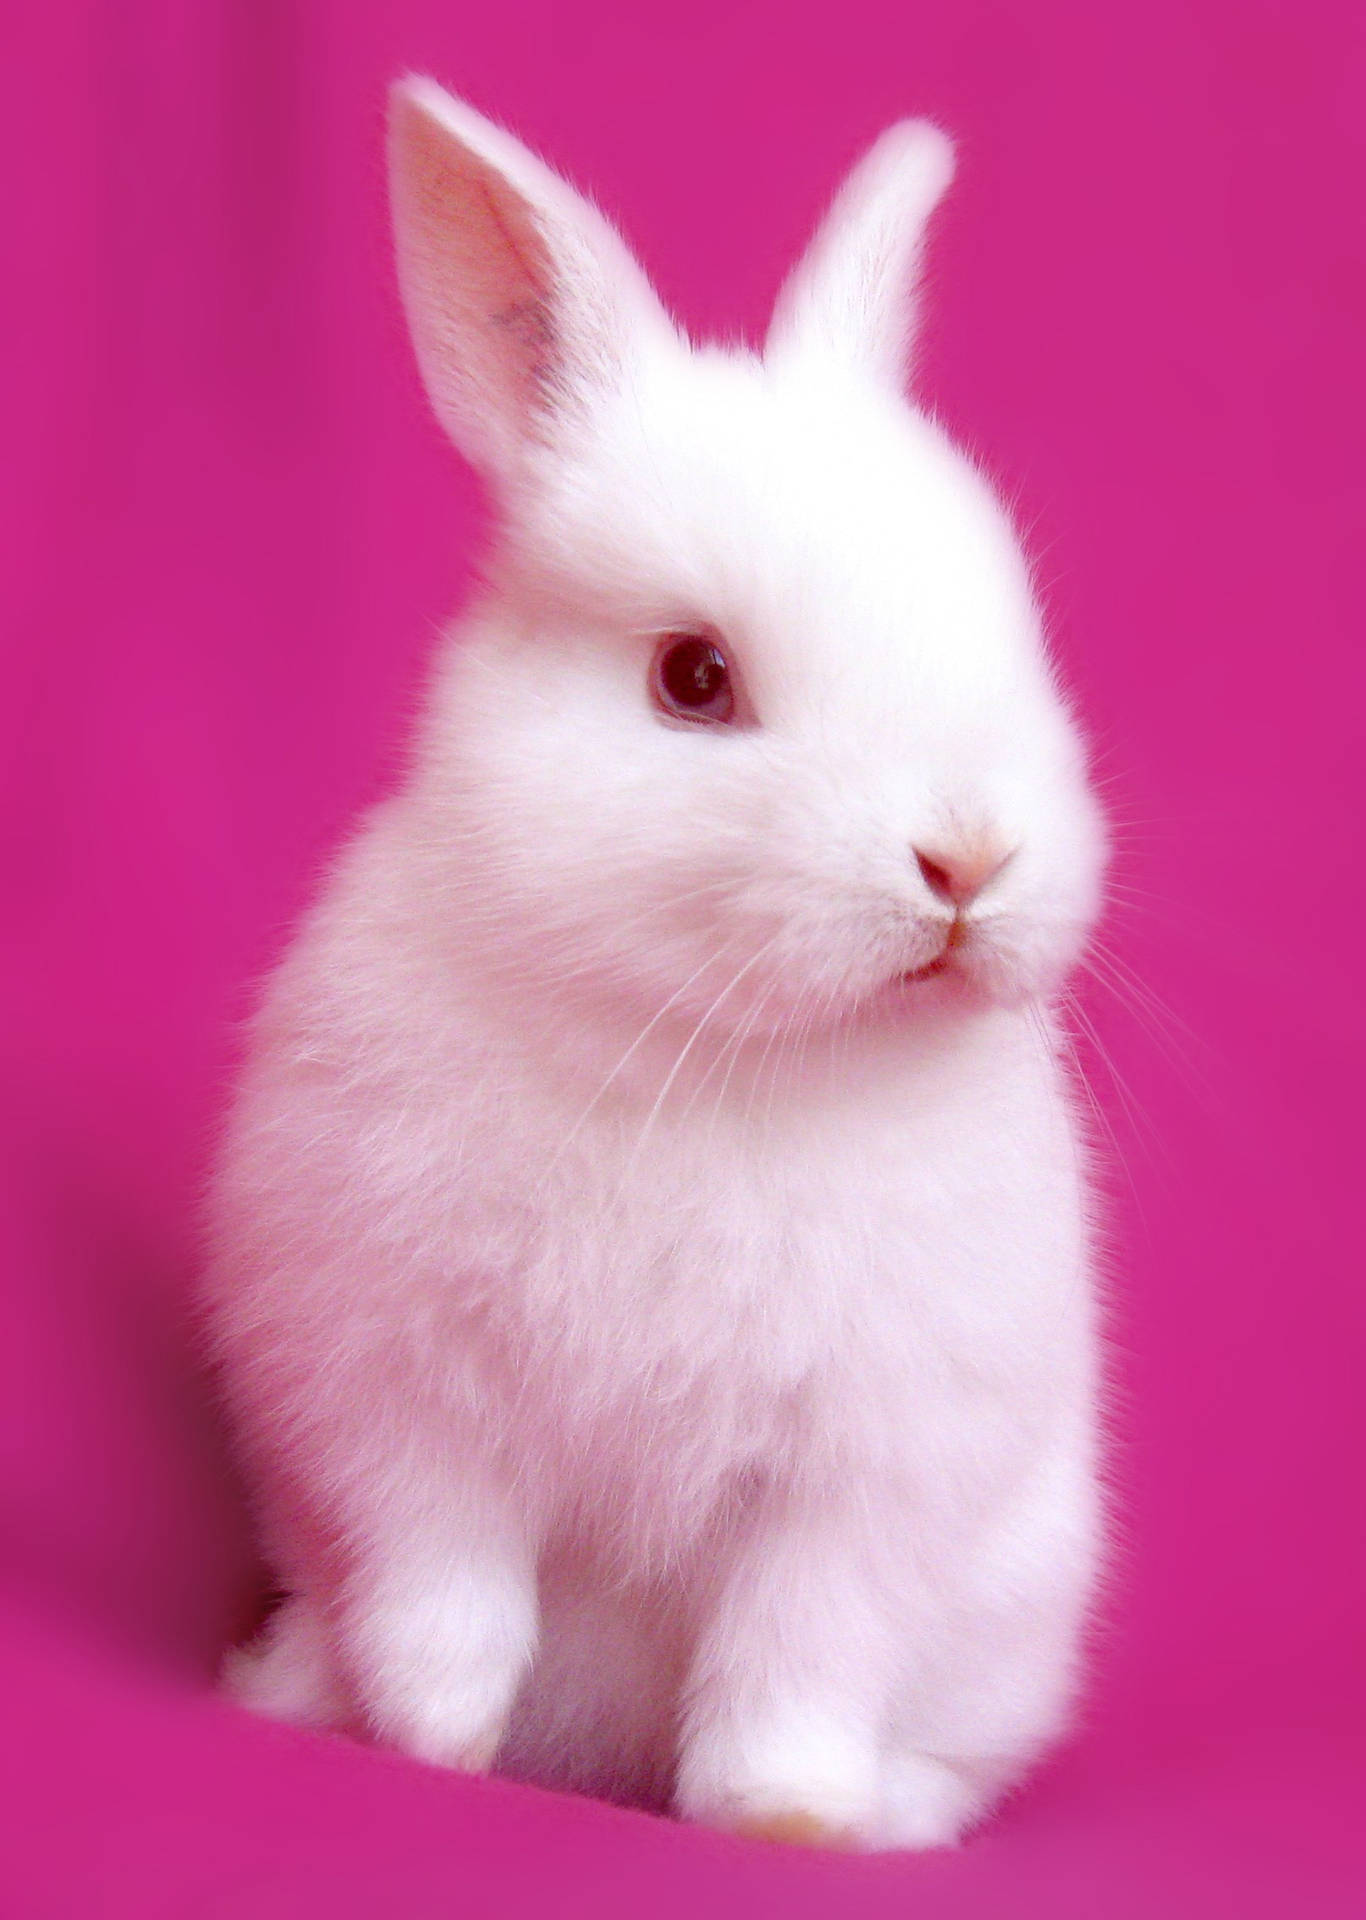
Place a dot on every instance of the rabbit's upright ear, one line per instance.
(852, 294)
(522, 301)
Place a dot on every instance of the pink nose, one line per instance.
(957, 878)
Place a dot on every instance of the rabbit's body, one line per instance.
(582, 1293)
(661, 1331)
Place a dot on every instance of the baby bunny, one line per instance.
(650, 1264)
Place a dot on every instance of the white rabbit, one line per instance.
(650, 1252)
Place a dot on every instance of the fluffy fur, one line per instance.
(662, 1332)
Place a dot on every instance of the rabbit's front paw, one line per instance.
(805, 1782)
(793, 1827)
(925, 1803)
(437, 1671)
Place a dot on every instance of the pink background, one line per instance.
(229, 526)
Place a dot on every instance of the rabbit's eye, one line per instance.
(691, 679)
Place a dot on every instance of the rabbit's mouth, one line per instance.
(930, 971)
(943, 961)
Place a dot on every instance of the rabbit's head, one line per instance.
(756, 726)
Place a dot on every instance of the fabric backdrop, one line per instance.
(229, 528)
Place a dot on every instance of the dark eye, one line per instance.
(691, 679)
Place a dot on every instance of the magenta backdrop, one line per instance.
(229, 529)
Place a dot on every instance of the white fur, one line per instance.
(663, 1338)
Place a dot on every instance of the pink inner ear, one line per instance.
(526, 315)
(478, 280)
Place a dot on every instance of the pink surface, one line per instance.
(229, 527)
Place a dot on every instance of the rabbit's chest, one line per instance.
(698, 1316)
(679, 1336)
(688, 1380)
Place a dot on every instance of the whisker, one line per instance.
(1174, 1039)
(637, 1043)
(774, 1038)
(1082, 1079)
(1145, 1130)
(691, 1042)
(736, 1047)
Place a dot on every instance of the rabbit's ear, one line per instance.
(522, 300)
(852, 294)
